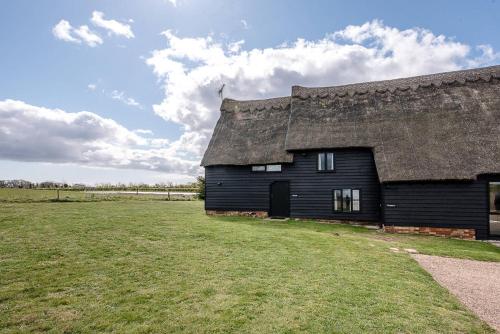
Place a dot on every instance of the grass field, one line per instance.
(163, 266)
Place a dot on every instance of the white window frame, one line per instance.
(259, 168)
(327, 156)
(351, 191)
(273, 168)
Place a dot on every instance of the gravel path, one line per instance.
(475, 283)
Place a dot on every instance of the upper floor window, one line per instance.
(258, 168)
(273, 168)
(326, 161)
(266, 168)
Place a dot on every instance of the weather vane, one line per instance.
(221, 90)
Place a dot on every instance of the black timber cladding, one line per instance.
(238, 188)
(437, 204)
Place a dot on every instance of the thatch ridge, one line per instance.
(401, 84)
(248, 105)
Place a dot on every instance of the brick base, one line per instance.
(372, 224)
(256, 214)
(460, 233)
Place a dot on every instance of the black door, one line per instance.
(280, 199)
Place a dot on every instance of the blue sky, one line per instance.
(149, 115)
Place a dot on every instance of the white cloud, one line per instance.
(65, 32)
(31, 133)
(193, 69)
(120, 96)
(143, 132)
(173, 2)
(157, 143)
(113, 26)
(244, 23)
(91, 38)
(235, 47)
(488, 55)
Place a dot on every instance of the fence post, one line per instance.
(57, 194)
(168, 192)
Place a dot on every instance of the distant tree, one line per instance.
(200, 182)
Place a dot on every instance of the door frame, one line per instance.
(488, 187)
(269, 213)
(488, 178)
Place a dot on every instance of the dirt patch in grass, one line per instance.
(64, 314)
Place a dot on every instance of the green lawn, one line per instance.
(163, 266)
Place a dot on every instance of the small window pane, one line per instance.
(347, 200)
(321, 161)
(355, 200)
(337, 200)
(258, 168)
(273, 168)
(355, 194)
(330, 161)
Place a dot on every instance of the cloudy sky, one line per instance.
(126, 91)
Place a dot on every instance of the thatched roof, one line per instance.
(433, 127)
(250, 132)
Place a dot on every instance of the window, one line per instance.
(258, 168)
(273, 168)
(266, 168)
(330, 161)
(355, 200)
(337, 200)
(346, 200)
(321, 161)
(326, 162)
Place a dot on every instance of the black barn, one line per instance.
(415, 154)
